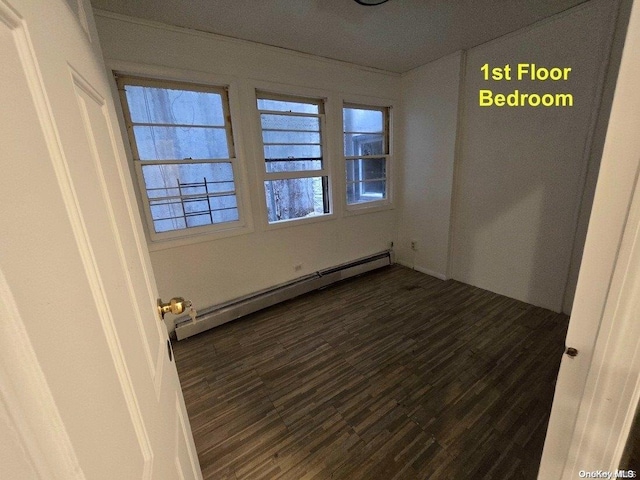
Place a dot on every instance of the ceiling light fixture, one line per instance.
(370, 2)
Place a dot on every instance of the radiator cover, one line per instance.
(239, 307)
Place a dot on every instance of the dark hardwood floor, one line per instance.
(392, 375)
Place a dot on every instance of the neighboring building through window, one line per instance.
(183, 154)
(295, 173)
(366, 151)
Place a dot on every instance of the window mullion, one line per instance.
(295, 174)
(367, 157)
(176, 125)
(290, 143)
(290, 114)
(184, 161)
(368, 180)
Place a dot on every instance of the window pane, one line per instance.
(288, 122)
(292, 165)
(361, 192)
(168, 225)
(282, 152)
(287, 106)
(163, 105)
(366, 180)
(366, 169)
(178, 143)
(364, 144)
(190, 195)
(296, 150)
(363, 120)
(187, 179)
(295, 198)
(178, 214)
(284, 136)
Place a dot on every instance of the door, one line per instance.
(88, 387)
(597, 390)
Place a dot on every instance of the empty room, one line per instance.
(320, 239)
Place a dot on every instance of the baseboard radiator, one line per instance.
(226, 312)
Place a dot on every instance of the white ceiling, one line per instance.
(396, 36)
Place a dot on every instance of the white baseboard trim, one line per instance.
(426, 271)
(404, 264)
(433, 273)
(217, 315)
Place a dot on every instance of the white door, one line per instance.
(88, 388)
(597, 390)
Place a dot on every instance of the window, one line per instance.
(366, 151)
(296, 180)
(183, 155)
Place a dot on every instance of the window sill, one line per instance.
(300, 221)
(368, 207)
(202, 237)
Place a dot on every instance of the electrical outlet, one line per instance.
(297, 267)
(414, 245)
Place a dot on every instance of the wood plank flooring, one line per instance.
(392, 375)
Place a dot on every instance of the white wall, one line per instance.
(216, 269)
(595, 153)
(428, 134)
(508, 221)
(521, 171)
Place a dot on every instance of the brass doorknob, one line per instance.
(176, 305)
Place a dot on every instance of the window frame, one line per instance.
(386, 201)
(324, 172)
(157, 238)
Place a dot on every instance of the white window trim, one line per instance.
(210, 232)
(262, 174)
(384, 203)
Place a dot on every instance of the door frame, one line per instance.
(610, 266)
